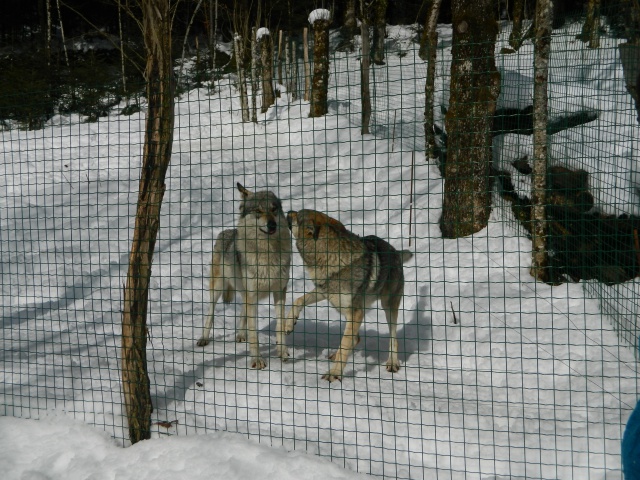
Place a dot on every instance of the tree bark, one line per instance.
(475, 85)
(320, 82)
(542, 48)
(428, 49)
(255, 61)
(591, 28)
(365, 64)
(268, 95)
(242, 81)
(379, 30)
(350, 26)
(516, 37)
(156, 21)
(307, 68)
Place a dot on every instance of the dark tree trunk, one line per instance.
(268, 95)
(350, 26)
(156, 21)
(364, 77)
(238, 47)
(475, 85)
(542, 47)
(379, 30)
(516, 38)
(591, 28)
(320, 82)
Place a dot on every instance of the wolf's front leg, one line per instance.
(281, 343)
(252, 333)
(314, 296)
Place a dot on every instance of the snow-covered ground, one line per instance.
(502, 377)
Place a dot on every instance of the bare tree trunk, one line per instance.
(242, 81)
(287, 64)
(268, 95)
(255, 61)
(516, 37)
(591, 28)
(630, 51)
(156, 22)
(214, 43)
(307, 68)
(365, 66)
(124, 77)
(379, 30)
(428, 49)
(280, 58)
(47, 47)
(350, 26)
(294, 70)
(320, 82)
(475, 85)
(542, 47)
(64, 45)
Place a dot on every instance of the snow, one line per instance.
(319, 14)
(65, 449)
(262, 32)
(501, 376)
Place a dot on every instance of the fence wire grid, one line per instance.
(500, 376)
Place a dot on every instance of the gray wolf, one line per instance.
(351, 272)
(252, 259)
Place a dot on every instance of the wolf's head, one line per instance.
(309, 224)
(261, 208)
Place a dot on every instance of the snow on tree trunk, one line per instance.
(156, 27)
(319, 20)
(428, 49)
(475, 85)
(542, 47)
(268, 95)
(242, 81)
(379, 30)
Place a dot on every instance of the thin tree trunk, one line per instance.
(280, 58)
(350, 26)
(268, 95)
(242, 81)
(307, 68)
(516, 37)
(64, 45)
(124, 76)
(156, 21)
(287, 64)
(365, 65)
(428, 49)
(379, 30)
(320, 82)
(591, 28)
(214, 43)
(294, 70)
(255, 61)
(542, 47)
(475, 85)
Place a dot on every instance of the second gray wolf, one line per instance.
(351, 272)
(253, 259)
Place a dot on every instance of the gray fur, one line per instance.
(252, 259)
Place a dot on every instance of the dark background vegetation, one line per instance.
(38, 78)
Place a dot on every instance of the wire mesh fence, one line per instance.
(500, 375)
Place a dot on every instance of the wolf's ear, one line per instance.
(291, 216)
(245, 193)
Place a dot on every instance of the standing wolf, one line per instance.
(252, 259)
(352, 273)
